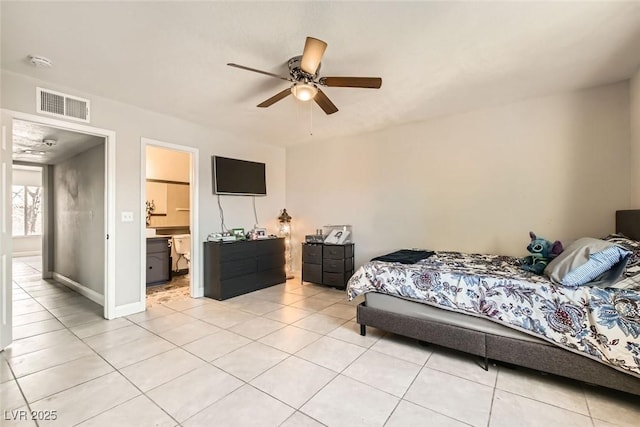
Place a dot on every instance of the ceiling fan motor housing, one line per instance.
(296, 72)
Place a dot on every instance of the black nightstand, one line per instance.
(326, 264)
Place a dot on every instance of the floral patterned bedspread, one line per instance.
(600, 323)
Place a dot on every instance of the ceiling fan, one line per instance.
(303, 73)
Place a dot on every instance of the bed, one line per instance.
(602, 352)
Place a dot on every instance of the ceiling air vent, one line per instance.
(60, 104)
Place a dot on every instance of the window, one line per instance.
(27, 210)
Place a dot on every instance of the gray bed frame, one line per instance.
(489, 345)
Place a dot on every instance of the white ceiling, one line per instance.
(435, 58)
(40, 144)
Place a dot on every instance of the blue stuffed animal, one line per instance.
(542, 251)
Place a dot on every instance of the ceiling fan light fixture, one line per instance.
(304, 91)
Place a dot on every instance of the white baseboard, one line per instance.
(25, 253)
(83, 290)
(128, 309)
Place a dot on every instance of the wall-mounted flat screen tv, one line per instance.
(238, 177)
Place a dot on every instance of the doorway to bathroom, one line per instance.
(169, 197)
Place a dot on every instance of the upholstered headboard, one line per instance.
(628, 223)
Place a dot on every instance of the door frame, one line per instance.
(110, 194)
(196, 288)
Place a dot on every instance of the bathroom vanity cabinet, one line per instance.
(158, 260)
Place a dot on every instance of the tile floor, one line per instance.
(288, 355)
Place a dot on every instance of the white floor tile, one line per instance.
(612, 406)
(38, 342)
(25, 319)
(127, 354)
(117, 337)
(245, 407)
(331, 353)
(5, 372)
(250, 361)
(216, 345)
(257, 328)
(290, 339)
(96, 396)
(409, 414)
(164, 323)
(206, 385)
(49, 357)
(312, 303)
(189, 332)
(549, 389)
(226, 318)
(403, 348)
(36, 328)
(186, 304)
(293, 381)
(350, 332)
(11, 397)
(162, 368)
(463, 365)
(53, 380)
(150, 313)
(346, 402)
(452, 396)
(298, 419)
(386, 373)
(139, 411)
(288, 314)
(342, 311)
(508, 407)
(319, 323)
(99, 327)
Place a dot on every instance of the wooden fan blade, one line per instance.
(325, 103)
(364, 82)
(275, 98)
(312, 55)
(266, 73)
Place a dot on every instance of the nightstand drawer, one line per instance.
(333, 252)
(312, 273)
(333, 265)
(334, 279)
(312, 254)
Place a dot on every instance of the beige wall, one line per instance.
(635, 139)
(130, 124)
(474, 182)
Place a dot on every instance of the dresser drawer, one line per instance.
(333, 252)
(269, 262)
(237, 268)
(312, 254)
(269, 246)
(237, 250)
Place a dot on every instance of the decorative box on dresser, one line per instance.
(158, 260)
(236, 268)
(327, 264)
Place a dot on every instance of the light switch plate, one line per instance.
(127, 216)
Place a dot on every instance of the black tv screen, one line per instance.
(239, 177)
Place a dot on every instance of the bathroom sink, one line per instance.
(151, 232)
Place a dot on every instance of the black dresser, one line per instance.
(326, 264)
(236, 268)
